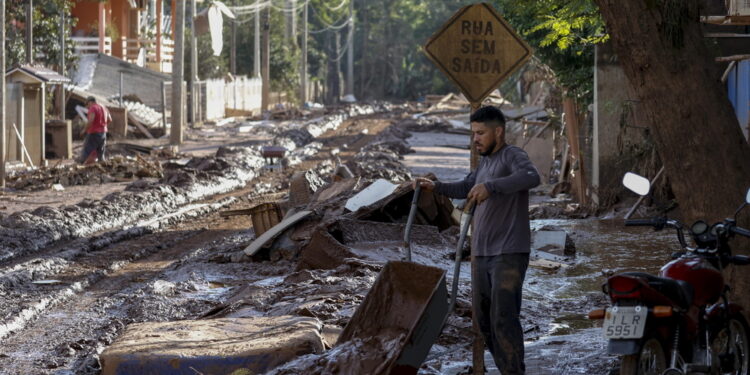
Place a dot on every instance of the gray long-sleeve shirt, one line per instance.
(501, 223)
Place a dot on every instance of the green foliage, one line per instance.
(46, 25)
(563, 34)
(389, 61)
(209, 66)
(284, 54)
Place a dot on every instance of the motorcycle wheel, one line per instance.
(650, 360)
(736, 340)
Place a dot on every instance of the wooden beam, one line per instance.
(143, 129)
(159, 15)
(3, 128)
(726, 20)
(102, 26)
(732, 58)
(726, 35)
(533, 122)
(640, 199)
(572, 124)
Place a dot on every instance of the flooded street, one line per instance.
(559, 339)
(566, 342)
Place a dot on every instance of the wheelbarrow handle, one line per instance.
(459, 249)
(410, 221)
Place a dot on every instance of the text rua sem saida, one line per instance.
(480, 47)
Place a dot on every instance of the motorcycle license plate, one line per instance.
(625, 322)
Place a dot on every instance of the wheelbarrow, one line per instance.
(408, 304)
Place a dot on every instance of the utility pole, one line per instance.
(29, 32)
(303, 67)
(193, 64)
(291, 20)
(3, 141)
(337, 91)
(61, 88)
(178, 99)
(266, 66)
(350, 53)
(233, 47)
(256, 45)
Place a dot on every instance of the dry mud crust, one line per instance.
(79, 266)
(382, 157)
(294, 135)
(116, 167)
(26, 232)
(174, 283)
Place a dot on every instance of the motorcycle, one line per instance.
(681, 321)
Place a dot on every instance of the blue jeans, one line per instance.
(496, 286)
(94, 142)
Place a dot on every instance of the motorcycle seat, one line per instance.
(678, 291)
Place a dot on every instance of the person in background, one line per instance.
(94, 145)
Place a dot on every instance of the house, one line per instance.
(136, 31)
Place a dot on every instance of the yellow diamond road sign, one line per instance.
(477, 49)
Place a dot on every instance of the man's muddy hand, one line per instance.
(425, 183)
(478, 193)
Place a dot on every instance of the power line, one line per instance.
(337, 7)
(343, 51)
(332, 27)
(253, 8)
(290, 10)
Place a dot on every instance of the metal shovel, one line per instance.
(459, 249)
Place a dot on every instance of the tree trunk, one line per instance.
(663, 53)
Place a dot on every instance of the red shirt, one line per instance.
(99, 123)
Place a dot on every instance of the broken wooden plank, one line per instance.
(732, 58)
(142, 128)
(640, 199)
(547, 265)
(274, 232)
(240, 212)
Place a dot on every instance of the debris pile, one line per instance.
(143, 113)
(382, 158)
(116, 168)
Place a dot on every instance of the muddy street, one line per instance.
(68, 298)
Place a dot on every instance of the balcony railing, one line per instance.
(85, 45)
(131, 50)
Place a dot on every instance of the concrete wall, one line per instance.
(619, 125)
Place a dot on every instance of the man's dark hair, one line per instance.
(91, 99)
(489, 115)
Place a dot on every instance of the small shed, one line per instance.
(26, 104)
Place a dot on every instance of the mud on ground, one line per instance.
(95, 280)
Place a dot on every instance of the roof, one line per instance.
(39, 73)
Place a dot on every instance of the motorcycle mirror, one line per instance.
(747, 201)
(638, 184)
